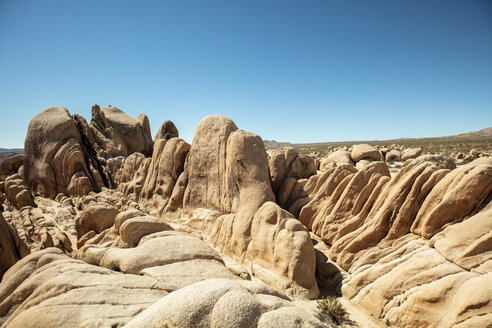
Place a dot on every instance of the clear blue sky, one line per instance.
(298, 71)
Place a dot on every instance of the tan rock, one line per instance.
(363, 163)
(166, 131)
(11, 165)
(392, 155)
(17, 193)
(457, 196)
(11, 247)
(97, 217)
(289, 255)
(226, 303)
(365, 151)
(49, 289)
(341, 157)
(467, 243)
(127, 134)
(132, 230)
(167, 164)
(326, 164)
(54, 157)
(410, 153)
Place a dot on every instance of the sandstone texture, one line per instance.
(101, 226)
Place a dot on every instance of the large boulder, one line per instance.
(166, 131)
(365, 151)
(54, 159)
(11, 165)
(392, 155)
(166, 166)
(12, 248)
(290, 256)
(411, 153)
(340, 157)
(96, 217)
(50, 289)
(127, 134)
(226, 303)
(17, 193)
(228, 182)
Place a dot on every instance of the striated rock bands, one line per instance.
(219, 233)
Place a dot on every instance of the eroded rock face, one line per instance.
(11, 165)
(341, 157)
(414, 248)
(79, 294)
(411, 153)
(127, 134)
(373, 226)
(365, 151)
(226, 303)
(11, 247)
(166, 131)
(228, 182)
(54, 158)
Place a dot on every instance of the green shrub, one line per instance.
(333, 310)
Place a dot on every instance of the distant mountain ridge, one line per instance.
(272, 144)
(480, 134)
(11, 150)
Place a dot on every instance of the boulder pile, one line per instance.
(100, 225)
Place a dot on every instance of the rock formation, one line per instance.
(127, 231)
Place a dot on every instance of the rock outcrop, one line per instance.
(12, 248)
(169, 233)
(411, 153)
(398, 239)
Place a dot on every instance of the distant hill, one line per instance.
(484, 133)
(6, 153)
(272, 144)
(474, 135)
(11, 150)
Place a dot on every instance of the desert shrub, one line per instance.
(90, 259)
(333, 310)
(388, 323)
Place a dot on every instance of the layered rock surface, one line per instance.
(185, 225)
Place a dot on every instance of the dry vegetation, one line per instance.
(448, 146)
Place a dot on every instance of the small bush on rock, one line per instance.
(333, 310)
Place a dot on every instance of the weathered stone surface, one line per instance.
(225, 303)
(341, 157)
(392, 155)
(54, 159)
(164, 169)
(11, 165)
(459, 195)
(166, 131)
(363, 162)
(228, 182)
(365, 151)
(290, 255)
(49, 289)
(207, 165)
(411, 153)
(97, 217)
(132, 230)
(127, 134)
(17, 193)
(11, 247)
